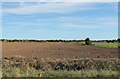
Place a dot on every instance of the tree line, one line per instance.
(16, 40)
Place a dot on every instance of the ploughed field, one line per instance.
(56, 50)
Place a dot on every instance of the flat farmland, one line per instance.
(56, 50)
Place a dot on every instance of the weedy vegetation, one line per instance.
(46, 67)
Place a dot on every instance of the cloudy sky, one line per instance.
(59, 20)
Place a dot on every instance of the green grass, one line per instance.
(113, 45)
(30, 72)
(83, 73)
(100, 44)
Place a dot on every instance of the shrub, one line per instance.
(88, 42)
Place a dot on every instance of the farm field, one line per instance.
(47, 59)
(60, 39)
(56, 50)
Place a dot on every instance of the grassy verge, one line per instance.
(41, 67)
(30, 72)
(100, 44)
(113, 45)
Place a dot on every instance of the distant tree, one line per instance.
(107, 41)
(118, 40)
(88, 42)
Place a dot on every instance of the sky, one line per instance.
(60, 20)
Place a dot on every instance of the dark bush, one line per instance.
(88, 42)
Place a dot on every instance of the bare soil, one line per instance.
(56, 50)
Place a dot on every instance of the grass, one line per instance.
(100, 44)
(83, 73)
(113, 45)
(30, 72)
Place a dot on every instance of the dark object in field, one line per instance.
(88, 42)
(108, 41)
(118, 40)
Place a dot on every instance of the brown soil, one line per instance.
(56, 50)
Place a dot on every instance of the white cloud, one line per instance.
(27, 24)
(43, 20)
(91, 22)
(0, 12)
(70, 19)
(73, 22)
(109, 21)
(61, 0)
(60, 19)
(65, 7)
(79, 26)
(63, 19)
(37, 30)
(0, 8)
